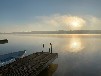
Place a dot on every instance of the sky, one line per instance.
(36, 15)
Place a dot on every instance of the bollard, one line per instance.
(43, 48)
(43, 45)
(42, 51)
(49, 50)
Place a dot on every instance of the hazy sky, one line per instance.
(30, 15)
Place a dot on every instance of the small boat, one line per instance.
(7, 58)
(3, 41)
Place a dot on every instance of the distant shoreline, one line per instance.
(59, 32)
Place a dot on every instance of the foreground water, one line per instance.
(79, 55)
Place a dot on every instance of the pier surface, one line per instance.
(30, 65)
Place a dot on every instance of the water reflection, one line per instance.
(49, 71)
(75, 45)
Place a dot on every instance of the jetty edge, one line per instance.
(30, 65)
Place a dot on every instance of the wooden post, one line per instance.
(42, 51)
(43, 48)
(51, 48)
(43, 45)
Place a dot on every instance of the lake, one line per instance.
(79, 55)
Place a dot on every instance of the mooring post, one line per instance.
(43, 48)
(43, 45)
(42, 51)
(51, 48)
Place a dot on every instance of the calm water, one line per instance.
(79, 55)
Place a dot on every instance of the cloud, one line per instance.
(56, 22)
(92, 23)
(68, 22)
(65, 22)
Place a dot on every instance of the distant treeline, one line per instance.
(62, 32)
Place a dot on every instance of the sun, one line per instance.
(75, 22)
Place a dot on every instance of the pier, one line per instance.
(30, 65)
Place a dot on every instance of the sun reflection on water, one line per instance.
(75, 45)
